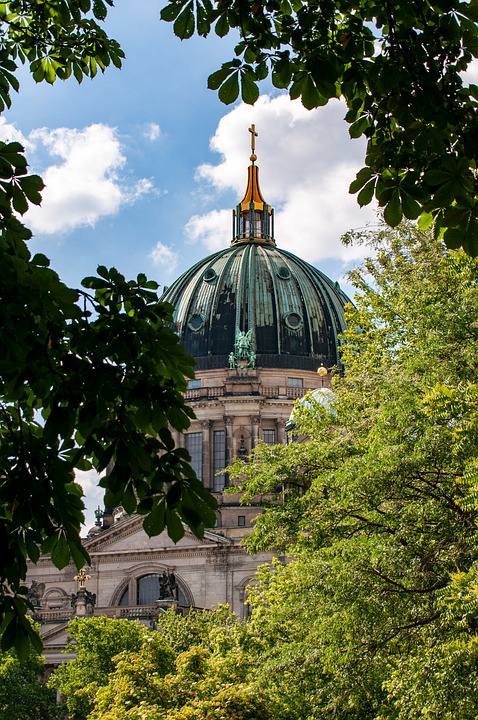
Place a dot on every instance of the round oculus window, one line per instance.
(283, 272)
(196, 322)
(293, 321)
(210, 275)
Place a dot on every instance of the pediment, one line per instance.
(128, 534)
(55, 634)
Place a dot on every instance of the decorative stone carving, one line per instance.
(35, 593)
(168, 587)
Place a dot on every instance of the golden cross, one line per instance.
(82, 577)
(252, 130)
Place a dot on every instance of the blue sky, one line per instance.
(143, 165)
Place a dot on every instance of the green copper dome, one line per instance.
(291, 312)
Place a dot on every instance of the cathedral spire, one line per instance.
(253, 218)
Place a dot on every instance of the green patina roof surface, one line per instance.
(294, 310)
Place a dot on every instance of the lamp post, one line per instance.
(322, 373)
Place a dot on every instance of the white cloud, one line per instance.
(307, 162)
(164, 256)
(9, 133)
(210, 229)
(82, 174)
(85, 185)
(152, 131)
(93, 494)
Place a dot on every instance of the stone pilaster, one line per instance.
(255, 426)
(229, 423)
(206, 453)
(280, 425)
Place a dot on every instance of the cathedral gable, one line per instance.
(128, 534)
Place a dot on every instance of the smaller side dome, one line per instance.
(324, 397)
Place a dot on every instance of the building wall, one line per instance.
(245, 405)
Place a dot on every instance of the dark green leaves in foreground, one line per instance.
(91, 384)
(401, 71)
(89, 379)
(57, 40)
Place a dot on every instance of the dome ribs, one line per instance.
(295, 311)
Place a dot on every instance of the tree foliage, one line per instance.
(378, 506)
(399, 68)
(23, 692)
(89, 378)
(97, 641)
(125, 672)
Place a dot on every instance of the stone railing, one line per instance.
(289, 392)
(204, 393)
(122, 611)
(53, 616)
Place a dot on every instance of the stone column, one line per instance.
(206, 453)
(228, 422)
(255, 423)
(178, 437)
(280, 425)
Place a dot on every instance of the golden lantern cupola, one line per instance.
(253, 218)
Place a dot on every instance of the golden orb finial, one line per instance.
(322, 371)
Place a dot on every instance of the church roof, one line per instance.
(292, 312)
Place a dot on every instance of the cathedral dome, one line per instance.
(291, 312)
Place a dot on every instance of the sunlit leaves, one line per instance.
(57, 41)
(97, 641)
(377, 504)
(23, 691)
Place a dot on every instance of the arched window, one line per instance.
(148, 591)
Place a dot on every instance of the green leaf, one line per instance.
(310, 96)
(215, 80)
(79, 555)
(222, 26)
(393, 211)
(229, 90)
(366, 194)
(249, 89)
(60, 553)
(99, 9)
(174, 494)
(32, 185)
(425, 221)
(171, 11)
(411, 208)
(363, 176)
(184, 25)
(9, 634)
(174, 525)
(281, 74)
(154, 522)
(359, 127)
(129, 499)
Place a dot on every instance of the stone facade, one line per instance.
(245, 405)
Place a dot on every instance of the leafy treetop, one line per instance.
(400, 68)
